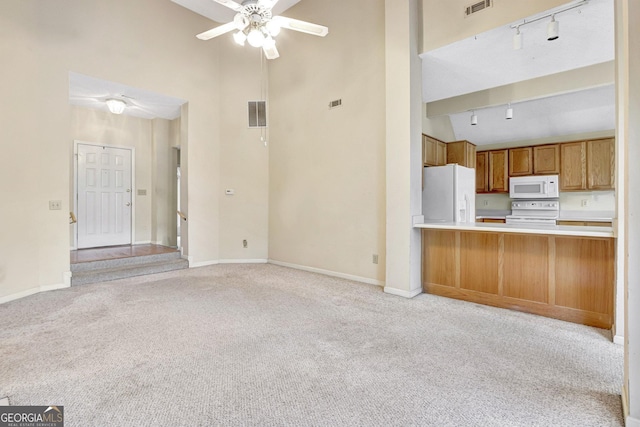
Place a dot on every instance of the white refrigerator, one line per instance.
(449, 194)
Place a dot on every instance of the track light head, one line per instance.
(517, 39)
(553, 29)
(508, 114)
(474, 119)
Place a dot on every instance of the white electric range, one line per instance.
(534, 212)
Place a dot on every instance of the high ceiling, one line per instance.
(222, 14)
(489, 60)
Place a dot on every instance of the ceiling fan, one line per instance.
(255, 23)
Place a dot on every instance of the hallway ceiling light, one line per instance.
(116, 106)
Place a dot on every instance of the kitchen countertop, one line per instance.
(557, 230)
(591, 216)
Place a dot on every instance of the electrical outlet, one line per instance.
(485, 203)
(584, 203)
(245, 244)
(375, 258)
(55, 205)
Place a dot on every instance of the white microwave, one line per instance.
(534, 187)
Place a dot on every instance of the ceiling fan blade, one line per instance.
(302, 26)
(217, 31)
(230, 4)
(270, 51)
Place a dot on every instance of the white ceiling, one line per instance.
(488, 60)
(222, 14)
(91, 92)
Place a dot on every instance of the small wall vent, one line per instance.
(257, 114)
(336, 103)
(477, 7)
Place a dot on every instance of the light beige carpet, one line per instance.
(264, 345)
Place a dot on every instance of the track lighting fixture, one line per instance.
(508, 114)
(474, 119)
(553, 29)
(517, 39)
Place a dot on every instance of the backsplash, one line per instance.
(569, 201)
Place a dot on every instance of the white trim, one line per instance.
(66, 278)
(632, 422)
(33, 291)
(328, 273)
(402, 292)
(143, 242)
(193, 264)
(243, 261)
(618, 339)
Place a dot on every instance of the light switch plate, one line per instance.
(55, 205)
(229, 191)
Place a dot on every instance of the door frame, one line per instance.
(76, 142)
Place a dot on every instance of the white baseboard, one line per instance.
(618, 339)
(34, 291)
(402, 292)
(143, 242)
(243, 261)
(632, 422)
(193, 264)
(328, 273)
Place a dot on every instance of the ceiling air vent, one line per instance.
(336, 103)
(477, 7)
(257, 114)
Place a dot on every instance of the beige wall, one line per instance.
(145, 44)
(444, 21)
(327, 172)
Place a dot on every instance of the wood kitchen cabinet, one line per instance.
(462, 153)
(521, 161)
(546, 159)
(587, 165)
(433, 151)
(568, 278)
(499, 171)
(587, 223)
(492, 171)
(573, 166)
(600, 164)
(482, 172)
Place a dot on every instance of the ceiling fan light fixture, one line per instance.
(256, 38)
(116, 106)
(241, 21)
(240, 38)
(273, 28)
(553, 29)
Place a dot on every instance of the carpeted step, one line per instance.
(124, 262)
(127, 270)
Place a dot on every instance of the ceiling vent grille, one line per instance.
(257, 114)
(477, 7)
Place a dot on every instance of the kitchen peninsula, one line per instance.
(564, 272)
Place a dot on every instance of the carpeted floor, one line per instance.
(233, 345)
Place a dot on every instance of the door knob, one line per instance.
(128, 203)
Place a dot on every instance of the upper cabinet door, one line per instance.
(600, 164)
(521, 161)
(499, 171)
(546, 159)
(573, 161)
(429, 151)
(482, 172)
(462, 153)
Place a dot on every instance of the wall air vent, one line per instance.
(336, 103)
(257, 114)
(477, 7)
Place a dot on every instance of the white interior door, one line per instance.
(104, 196)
